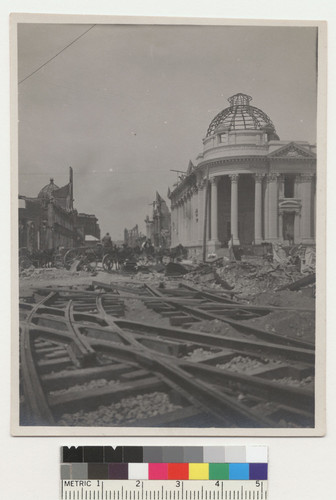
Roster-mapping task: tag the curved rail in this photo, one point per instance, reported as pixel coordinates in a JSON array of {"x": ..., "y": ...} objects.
[{"x": 154, "y": 355}]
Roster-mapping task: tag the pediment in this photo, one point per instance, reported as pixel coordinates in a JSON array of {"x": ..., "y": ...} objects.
[
  {"x": 292, "y": 151},
  {"x": 289, "y": 205}
]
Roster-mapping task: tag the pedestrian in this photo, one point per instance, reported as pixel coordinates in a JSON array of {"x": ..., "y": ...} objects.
[{"x": 107, "y": 242}]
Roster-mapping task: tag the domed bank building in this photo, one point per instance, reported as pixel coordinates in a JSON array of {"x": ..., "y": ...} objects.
[{"x": 259, "y": 189}]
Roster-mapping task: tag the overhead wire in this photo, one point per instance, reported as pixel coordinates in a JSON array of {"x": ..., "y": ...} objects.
[{"x": 58, "y": 53}]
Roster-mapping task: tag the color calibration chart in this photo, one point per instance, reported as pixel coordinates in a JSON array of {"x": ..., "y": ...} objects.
[{"x": 164, "y": 473}]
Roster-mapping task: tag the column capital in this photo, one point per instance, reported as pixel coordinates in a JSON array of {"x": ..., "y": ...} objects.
[
  {"x": 259, "y": 177},
  {"x": 194, "y": 189},
  {"x": 234, "y": 177},
  {"x": 272, "y": 177},
  {"x": 306, "y": 177},
  {"x": 214, "y": 180}
]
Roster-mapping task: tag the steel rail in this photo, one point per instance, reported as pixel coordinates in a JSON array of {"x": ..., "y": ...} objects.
[
  {"x": 171, "y": 368},
  {"x": 198, "y": 313},
  {"x": 38, "y": 409},
  {"x": 222, "y": 405}
]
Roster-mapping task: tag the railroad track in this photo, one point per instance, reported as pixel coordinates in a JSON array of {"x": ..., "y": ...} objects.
[{"x": 84, "y": 363}]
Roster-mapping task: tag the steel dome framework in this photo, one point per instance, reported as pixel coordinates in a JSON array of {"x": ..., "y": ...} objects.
[
  {"x": 241, "y": 116},
  {"x": 47, "y": 191}
]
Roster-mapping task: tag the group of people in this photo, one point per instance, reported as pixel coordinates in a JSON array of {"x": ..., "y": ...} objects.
[{"x": 146, "y": 250}]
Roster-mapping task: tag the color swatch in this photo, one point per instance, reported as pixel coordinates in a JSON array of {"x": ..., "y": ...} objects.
[{"x": 164, "y": 463}]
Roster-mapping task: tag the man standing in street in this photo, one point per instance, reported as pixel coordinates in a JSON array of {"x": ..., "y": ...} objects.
[{"x": 107, "y": 242}]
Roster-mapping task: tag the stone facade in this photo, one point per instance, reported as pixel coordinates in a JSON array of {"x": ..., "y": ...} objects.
[
  {"x": 247, "y": 183},
  {"x": 50, "y": 221}
]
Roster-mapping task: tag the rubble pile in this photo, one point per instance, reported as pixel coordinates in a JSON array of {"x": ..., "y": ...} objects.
[
  {"x": 288, "y": 323},
  {"x": 252, "y": 278},
  {"x": 126, "y": 411},
  {"x": 46, "y": 273},
  {"x": 292, "y": 323},
  {"x": 253, "y": 275}
]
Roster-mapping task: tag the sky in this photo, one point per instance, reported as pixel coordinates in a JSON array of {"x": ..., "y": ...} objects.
[{"x": 124, "y": 105}]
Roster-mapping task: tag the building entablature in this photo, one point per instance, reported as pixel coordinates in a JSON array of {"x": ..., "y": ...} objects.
[
  {"x": 264, "y": 167},
  {"x": 275, "y": 149}
]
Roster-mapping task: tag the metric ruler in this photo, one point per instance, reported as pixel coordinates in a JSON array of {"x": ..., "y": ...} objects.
[
  {"x": 97, "y": 489},
  {"x": 164, "y": 473}
]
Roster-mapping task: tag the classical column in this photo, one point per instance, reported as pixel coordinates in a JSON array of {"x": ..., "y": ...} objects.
[
  {"x": 273, "y": 207},
  {"x": 200, "y": 211},
  {"x": 194, "y": 218},
  {"x": 172, "y": 223},
  {"x": 189, "y": 215},
  {"x": 281, "y": 182},
  {"x": 281, "y": 226},
  {"x": 173, "y": 229},
  {"x": 209, "y": 212},
  {"x": 297, "y": 224},
  {"x": 234, "y": 208},
  {"x": 184, "y": 220},
  {"x": 266, "y": 210},
  {"x": 214, "y": 210},
  {"x": 258, "y": 209},
  {"x": 176, "y": 238},
  {"x": 180, "y": 222},
  {"x": 306, "y": 210}
]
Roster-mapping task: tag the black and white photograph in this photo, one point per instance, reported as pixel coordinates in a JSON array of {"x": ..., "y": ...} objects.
[{"x": 168, "y": 227}]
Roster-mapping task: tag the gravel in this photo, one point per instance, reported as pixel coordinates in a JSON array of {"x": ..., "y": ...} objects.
[
  {"x": 240, "y": 364},
  {"x": 137, "y": 311},
  {"x": 93, "y": 384},
  {"x": 126, "y": 411},
  {"x": 199, "y": 355},
  {"x": 295, "y": 382}
]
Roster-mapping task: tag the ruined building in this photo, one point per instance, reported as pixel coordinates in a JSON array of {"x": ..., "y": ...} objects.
[
  {"x": 259, "y": 188},
  {"x": 50, "y": 221},
  {"x": 158, "y": 228},
  {"x": 133, "y": 237}
]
